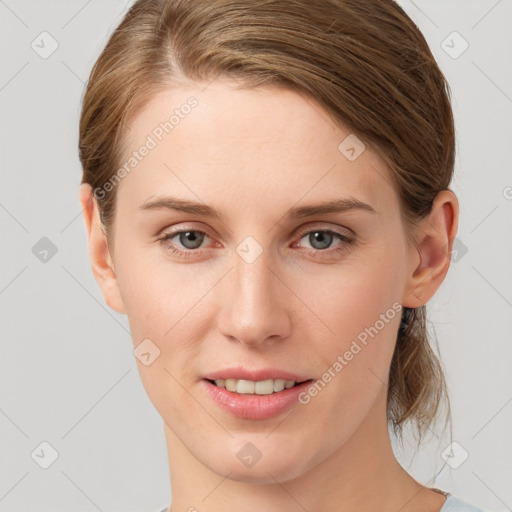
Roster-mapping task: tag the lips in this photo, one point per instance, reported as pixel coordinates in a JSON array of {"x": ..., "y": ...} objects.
[
  {"x": 254, "y": 394},
  {"x": 240, "y": 373},
  {"x": 261, "y": 387}
]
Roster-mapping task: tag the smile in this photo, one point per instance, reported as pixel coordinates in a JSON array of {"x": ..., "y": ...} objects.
[
  {"x": 250, "y": 387},
  {"x": 254, "y": 400}
]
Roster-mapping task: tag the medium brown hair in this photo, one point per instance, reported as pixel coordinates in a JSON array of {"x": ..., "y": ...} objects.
[{"x": 365, "y": 62}]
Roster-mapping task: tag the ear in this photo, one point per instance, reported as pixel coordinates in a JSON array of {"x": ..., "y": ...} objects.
[
  {"x": 430, "y": 258},
  {"x": 99, "y": 254}
]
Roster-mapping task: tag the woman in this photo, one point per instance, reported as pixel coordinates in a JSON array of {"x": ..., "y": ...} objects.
[{"x": 266, "y": 196}]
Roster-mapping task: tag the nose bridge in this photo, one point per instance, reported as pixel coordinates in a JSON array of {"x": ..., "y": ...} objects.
[{"x": 254, "y": 307}]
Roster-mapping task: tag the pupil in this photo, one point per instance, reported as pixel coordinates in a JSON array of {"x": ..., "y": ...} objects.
[
  {"x": 323, "y": 238},
  {"x": 191, "y": 240}
]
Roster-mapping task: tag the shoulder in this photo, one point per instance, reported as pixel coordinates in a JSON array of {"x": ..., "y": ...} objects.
[{"x": 454, "y": 504}]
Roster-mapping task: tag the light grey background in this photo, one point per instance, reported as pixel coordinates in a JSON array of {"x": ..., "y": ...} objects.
[{"x": 68, "y": 373}]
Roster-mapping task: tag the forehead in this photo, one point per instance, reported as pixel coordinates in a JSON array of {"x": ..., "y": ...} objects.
[{"x": 219, "y": 143}]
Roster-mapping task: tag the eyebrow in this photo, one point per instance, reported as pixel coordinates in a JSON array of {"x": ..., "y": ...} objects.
[{"x": 201, "y": 209}]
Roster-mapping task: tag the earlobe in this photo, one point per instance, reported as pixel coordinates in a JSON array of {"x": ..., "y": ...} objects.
[
  {"x": 99, "y": 255},
  {"x": 434, "y": 242}
]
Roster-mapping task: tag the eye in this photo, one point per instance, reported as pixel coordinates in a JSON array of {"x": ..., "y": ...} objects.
[
  {"x": 189, "y": 239},
  {"x": 320, "y": 240},
  {"x": 187, "y": 243}
]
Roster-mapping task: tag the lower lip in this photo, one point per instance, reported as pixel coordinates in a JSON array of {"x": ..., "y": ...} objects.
[{"x": 255, "y": 407}]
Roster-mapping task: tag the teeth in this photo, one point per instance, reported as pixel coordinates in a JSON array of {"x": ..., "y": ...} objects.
[
  {"x": 245, "y": 387},
  {"x": 279, "y": 384},
  {"x": 264, "y": 387},
  {"x": 230, "y": 384},
  {"x": 249, "y": 387}
]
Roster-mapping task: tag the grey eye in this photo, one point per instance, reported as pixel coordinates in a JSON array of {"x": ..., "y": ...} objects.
[
  {"x": 320, "y": 239},
  {"x": 191, "y": 239}
]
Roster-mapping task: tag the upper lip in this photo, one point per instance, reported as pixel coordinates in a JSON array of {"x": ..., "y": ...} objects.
[{"x": 240, "y": 373}]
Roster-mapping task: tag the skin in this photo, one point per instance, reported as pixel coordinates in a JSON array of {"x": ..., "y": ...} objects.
[{"x": 252, "y": 154}]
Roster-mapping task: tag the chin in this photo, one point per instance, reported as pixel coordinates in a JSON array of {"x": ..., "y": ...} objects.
[
  {"x": 267, "y": 470},
  {"x": 267, "y": 474}
]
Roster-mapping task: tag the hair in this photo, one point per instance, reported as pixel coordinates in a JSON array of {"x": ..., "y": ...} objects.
[{"x": 365, "y": 62}]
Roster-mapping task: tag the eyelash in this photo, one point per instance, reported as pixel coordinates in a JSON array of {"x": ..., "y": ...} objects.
[{"x": 347, "y": 240}]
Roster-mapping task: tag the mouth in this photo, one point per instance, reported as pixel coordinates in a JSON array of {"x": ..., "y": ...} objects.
[
  {"x": 261, "y": 387},
  {"x": 254, "y": 400},
  {"x": 255, "y": 393}
]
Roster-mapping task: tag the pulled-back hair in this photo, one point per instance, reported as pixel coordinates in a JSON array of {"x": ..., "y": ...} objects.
[{"x": 365, "y": 62}]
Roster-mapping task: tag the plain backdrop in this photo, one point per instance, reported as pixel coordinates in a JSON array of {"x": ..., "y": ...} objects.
[{"x": 68, "y": 374}]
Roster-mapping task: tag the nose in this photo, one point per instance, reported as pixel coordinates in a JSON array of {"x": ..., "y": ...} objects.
[{"x": 256, "y": 303}]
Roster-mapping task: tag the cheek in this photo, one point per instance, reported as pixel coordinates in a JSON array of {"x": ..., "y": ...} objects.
[
  {"x": 360, "y": 310},
  {"x": 168, "y": 304},
  {"x": 351, "y": 296},
  {"x": 161, "y": 307},
  {"x": 152, "y": 292}
]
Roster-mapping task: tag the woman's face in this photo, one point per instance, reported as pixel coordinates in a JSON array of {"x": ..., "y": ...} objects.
[{"x": 262, "y": 286}]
